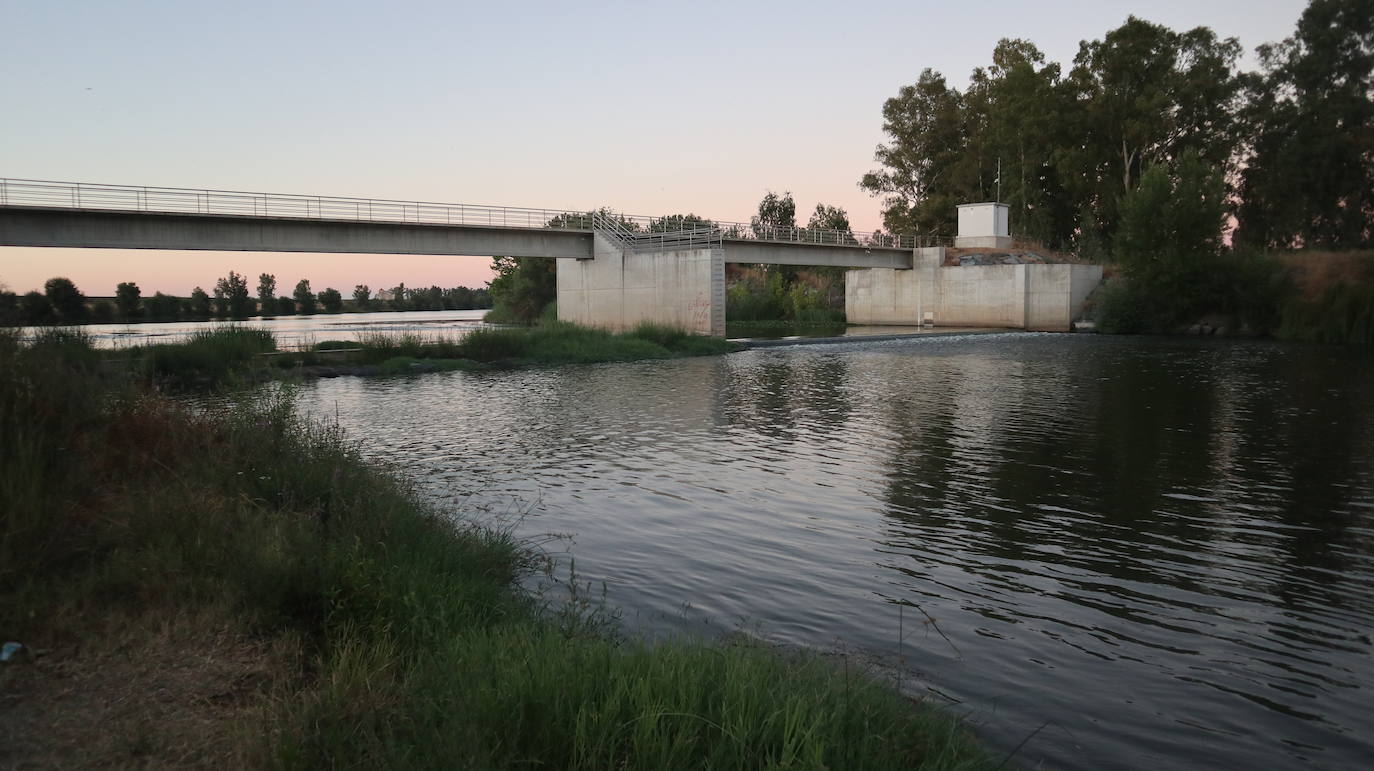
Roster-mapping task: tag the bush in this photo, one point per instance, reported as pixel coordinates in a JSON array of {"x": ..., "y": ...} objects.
[
  {"x": 208, "y": 356},
  {"x": 1122, "y": 308}
]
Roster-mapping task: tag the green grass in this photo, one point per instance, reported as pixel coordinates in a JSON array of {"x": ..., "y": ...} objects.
[
  {"x": 207, "y": 356},
  {"x": 416, "y": 649},
  {"x": 550, "y": 343}
]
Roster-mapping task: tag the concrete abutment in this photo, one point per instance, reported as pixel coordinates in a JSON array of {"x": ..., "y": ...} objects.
[
  {"x": 619, "y": 288},
  {"x": 1035, "y": 297}
]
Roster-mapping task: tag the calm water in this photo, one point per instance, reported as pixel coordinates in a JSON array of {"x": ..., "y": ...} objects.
[
  {"x": 1161, "y": 551},
  {"x": 293, "y": 331}
]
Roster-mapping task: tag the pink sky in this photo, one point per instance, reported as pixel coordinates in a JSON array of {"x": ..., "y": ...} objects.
[{"x": 97, "y": 271}]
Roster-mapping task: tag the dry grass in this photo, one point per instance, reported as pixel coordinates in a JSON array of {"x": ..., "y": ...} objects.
[
  {"x": 1316, "y": 272},
  {"x": 165, "y": 688}
]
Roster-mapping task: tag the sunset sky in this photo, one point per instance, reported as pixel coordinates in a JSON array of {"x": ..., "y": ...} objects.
[{"x": 645, "y": 107}]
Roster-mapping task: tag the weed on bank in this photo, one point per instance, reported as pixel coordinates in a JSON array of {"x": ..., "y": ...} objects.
[{"x": 233, "y": 585}]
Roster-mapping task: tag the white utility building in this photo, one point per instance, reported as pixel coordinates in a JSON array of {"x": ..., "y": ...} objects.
[{"x": 983, "y": 225}]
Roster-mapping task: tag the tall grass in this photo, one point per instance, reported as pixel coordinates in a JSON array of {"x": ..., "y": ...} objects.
[
  {"x": 552, "y": 342},
  {"x": 418, "y": 652},
  {"x": 207, "y": 356}
]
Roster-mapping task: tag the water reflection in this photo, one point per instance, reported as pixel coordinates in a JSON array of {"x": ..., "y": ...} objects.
[{"x": 1163, "y": 548}]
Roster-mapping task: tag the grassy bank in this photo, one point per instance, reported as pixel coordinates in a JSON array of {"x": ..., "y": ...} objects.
[
  {"x": 236, "y": 586},
  {"x": 216, "y": 355}
]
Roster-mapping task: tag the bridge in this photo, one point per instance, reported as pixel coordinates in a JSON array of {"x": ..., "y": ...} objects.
[{"x": 614, "y": 270}]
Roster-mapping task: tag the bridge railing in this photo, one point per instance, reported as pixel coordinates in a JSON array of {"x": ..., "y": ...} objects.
[{"x": 96, "y": 196}]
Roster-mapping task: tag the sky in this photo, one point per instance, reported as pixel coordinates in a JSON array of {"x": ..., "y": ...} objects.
[{"x": 645, "y": 107}]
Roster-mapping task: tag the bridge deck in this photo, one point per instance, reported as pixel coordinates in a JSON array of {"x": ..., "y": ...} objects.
[{"x": 42, "y": 226}]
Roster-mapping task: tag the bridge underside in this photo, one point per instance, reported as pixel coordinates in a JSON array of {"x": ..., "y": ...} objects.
[
  {"x": 101, "y": 229},
  {"x": 601, "y": 282}
]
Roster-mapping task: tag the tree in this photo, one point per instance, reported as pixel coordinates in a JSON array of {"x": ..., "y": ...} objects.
[
  {"x": 1061, "y": 151},
  {"x": 286, "y": 306},
  {"x": 1170, "y": 233},
  {"x": 162, "y": 307},
  {"x": 267, "y": 294},
  {"x": 305, "y": 299},
  {"x": 828, "y": 218},
  {"x": 199, "y": 305},
  {"x": 522, "y": 289},
  {"x": 231, "y": 297},
  {"x": 67, "y": 302},
  {"x": 777, "y": 216},
  {"x": 1017, "y": 113},
  {"x": 924, "y": 124},
  {"x": 1308, "y": 177},
  {"x": 9, "y": 307},
  {"x": 102, "y": 312},
  {"x": 331, "y": 300},
  {"x": 678, "y": 222},
  {"x": 129, "y": 301},
  {"x": 1144, "y": 95},
  {"x": 362, "y": 297},
  {"x": 35, "y": 309}
]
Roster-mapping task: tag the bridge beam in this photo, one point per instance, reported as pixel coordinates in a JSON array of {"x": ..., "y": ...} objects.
[
  {"x": 36, "y": 226},
  {"x": 824, "y": 255}
]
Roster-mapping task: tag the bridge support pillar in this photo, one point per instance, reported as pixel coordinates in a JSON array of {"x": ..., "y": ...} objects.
[
  {"x": 619, "y": 288},
  {"x": 895, "y": 297}
]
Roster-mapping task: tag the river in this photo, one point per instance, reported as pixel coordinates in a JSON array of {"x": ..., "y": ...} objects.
[
  {"x": 293, "y": 331},
  {"x": 1140, "y": 553}
]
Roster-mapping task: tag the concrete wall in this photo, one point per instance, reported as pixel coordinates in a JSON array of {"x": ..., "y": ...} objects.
[
  {"x": 883, "y": 296},
  {"x": 1055, "y": 294},
  {"x": 1034, "y": 297},
  {"x": 618, "y": 289}
]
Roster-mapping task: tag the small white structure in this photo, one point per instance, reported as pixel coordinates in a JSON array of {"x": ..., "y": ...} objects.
[{"x": 983, "y": 225}]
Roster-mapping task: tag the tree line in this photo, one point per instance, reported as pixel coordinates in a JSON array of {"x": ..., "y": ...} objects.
[
  {"x": 1293, "y": 143},
  {"x": 61, "y": 302}
]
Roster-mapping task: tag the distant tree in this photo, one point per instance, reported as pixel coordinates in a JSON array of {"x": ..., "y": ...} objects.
[
  {"x": 675, "y": 222},
  {"x": 231, "y": 298},
  {"x": 286, "y": 306},
  {"x": 777, "y": 214},
  {"x": 9, "y": 307},
  {"x": 398, "y": 297},
  {"x": 331, "y": 300},
  {"x": 67, "y": 301},
  {"x": 162, "y": 307},
  {"x": 362, "y": 297},
  {"x": 199, "y": 305},
  {"x": 305, "y": 299},
  {"x": 35, "y": 308},
  {"x": 267, "y": 294},
  {"x": 102, "y": 311},
  {"x": 1308, "y": 178},
  {"x": 128, "y": 299},
  {"x": 831, "y": 218}
]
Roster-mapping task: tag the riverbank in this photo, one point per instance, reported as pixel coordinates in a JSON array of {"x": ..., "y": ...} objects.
[
  {"x": 214, "y": 356},
  {"x": 237, "y": 586}
]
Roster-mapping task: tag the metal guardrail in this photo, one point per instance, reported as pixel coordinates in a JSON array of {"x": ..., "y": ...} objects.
[{"x": 633, "y": 231}]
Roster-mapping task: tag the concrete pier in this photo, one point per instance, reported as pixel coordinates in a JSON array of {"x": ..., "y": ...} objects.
[
  {"x": 620, "y": 288},
  {"x": 1033, "y": 297}
]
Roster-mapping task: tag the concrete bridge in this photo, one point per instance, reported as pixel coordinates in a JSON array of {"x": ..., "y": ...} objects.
[{"x": 614, "y": 270}]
